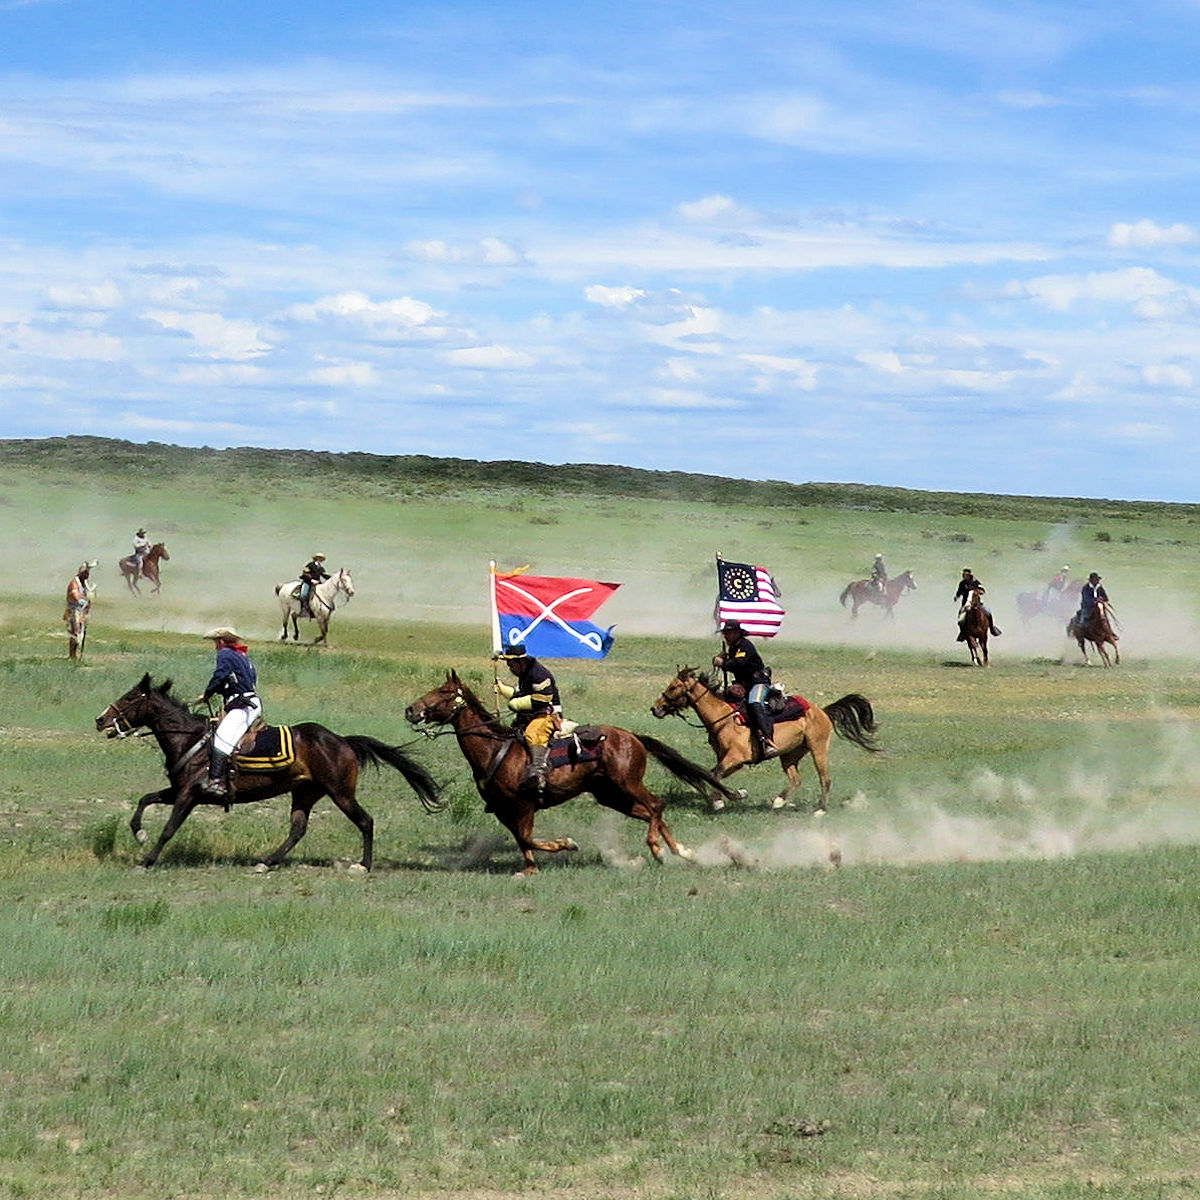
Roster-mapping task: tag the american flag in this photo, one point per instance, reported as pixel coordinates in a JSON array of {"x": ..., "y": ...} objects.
[{"x": 748, "y": 595}]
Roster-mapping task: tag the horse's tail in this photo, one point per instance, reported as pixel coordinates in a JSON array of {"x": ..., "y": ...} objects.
[
  {"x": 854, "y": 719},
  {"x": 684, "y": 769},
  {"x": 372, "y": 750},
  {"x": 845, "y": 592}
]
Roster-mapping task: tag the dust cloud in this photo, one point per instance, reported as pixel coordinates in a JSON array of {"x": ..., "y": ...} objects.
[{"x": 1107, "y": 807}]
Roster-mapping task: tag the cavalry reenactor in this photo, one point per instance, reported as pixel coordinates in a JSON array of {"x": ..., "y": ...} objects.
[
  {"x": 741, "y": 659},
  {"x": 235, "y": 680},
  {"x": 536, "y": 702},
  {"x": 314, "y": 572}
]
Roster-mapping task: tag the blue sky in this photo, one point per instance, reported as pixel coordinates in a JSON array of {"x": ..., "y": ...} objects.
[{"x": 943, "y": 246}]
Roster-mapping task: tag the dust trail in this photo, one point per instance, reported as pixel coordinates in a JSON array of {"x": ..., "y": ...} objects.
[{"x": 1082, "y": 810}]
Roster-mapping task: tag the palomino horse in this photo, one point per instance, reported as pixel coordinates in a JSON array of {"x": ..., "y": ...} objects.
[
  {"x": 736, "y": 747},
  {"x": 321, "y": 603},
  {"x": 863, "y": 591},
  {"x": 150, "y": 563},
  {"x": 974, "y": 628},
  {"x": 323, "y": 764},
  {"x": 498, "y": 759},
  {"x": 1098, "y": 630}
]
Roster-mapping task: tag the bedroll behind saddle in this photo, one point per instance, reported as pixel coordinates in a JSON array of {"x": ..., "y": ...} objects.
[
  {"x": 582, "y": 745},
  {"x": 265, "y": 748}
]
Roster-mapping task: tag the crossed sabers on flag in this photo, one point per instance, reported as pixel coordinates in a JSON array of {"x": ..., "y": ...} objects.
[{"x": 591, "y": 639}]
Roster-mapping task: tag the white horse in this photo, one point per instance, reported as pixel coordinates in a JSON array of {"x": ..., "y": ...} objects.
[{"x": 321, "y": 603}]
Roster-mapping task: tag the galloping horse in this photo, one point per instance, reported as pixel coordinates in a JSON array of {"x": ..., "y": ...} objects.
[
  {"x": 129, "y": 569},
  {"x": 863, "y": 591},
  {"x": 1097, "y": 630},
  {"x": 323, "y": 764},
  {"x": 321, "y": 603},
  {"x": 975, "y": 627},
  {"x": 1054, "y": 604},
  {"x": 498, "y": 758},
  {"x": 736, "y": 747}
]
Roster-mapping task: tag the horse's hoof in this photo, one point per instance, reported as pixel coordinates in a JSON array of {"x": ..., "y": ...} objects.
[
  {"x": 779, "y": 802},
  {"x": 357, "y": 869},
  {"x": 141, "y": 837},
  {"x": 686, "y": 854},
  {"x": 818, "y": 812},
  {"x": 261, "y": 869},
  {"x": 718, "y": 804},
  {"x": 570, "y": 844},
  {"x": 742, "y": 793}
]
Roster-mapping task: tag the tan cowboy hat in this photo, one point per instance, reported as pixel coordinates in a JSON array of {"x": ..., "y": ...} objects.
[
  {"x": 223, "y": 634},
  {"x": 320, "y": 556}
]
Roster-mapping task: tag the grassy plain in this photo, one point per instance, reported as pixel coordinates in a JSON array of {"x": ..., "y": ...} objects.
[{"x": 996, "y": 993}]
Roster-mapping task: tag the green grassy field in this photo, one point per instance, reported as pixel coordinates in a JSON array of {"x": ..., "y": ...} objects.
[{"x": 995, "y": 993}]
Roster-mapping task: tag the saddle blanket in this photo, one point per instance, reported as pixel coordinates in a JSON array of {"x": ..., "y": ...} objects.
[
  {"x": 266, "y": 749},
  {"x": 781, "y": 708},
  {"x": 583, "y": 744}
]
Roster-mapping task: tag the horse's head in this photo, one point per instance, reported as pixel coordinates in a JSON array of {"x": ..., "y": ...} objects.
[
  {"x": 677, "y": 695},
  {"x": 439, "y": 706},
  {"x": 345, "y": 583},
  {"x": 133, "y": 710},
  {"x": 907, "y": 580},
  {"x": 160, "y": 550}
]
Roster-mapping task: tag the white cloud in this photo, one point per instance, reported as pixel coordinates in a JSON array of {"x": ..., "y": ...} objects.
[
  {"x": 612, "y": 297},
  {"x": 490, "y": 358},
  {"x": 1167, "y": 375},
  {"x": 355, "y": 306},
  {"x": 348, "y": 374},
  {"x": 712, "y": 210},
  {"x": 1151, "y": 296},
  {"x": 217, "y": 335},
  {"x": 89, "y": 297},
  {"x": 1145, "y": 234},
  {"x": 488, "y": 251}
]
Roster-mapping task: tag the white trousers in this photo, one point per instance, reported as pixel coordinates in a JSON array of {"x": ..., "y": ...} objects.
[{"x": 233, "y": 726}]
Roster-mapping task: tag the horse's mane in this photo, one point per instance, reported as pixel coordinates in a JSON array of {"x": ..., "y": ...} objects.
[
  {"x": 164, "y": 690},
  {"x": 474, "y": 701}
]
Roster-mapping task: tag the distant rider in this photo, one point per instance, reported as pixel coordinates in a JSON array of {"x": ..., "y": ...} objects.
[
  {"x": 536, "y": 702},
  {"x": 879, "y": 575},
  {"x": 79, "y": 603},
  {"x": 741, "y": 659},
  {"x": 235, "y": 680},
  {"x": 141, "y": 547},
  {"x": 966, "y": 585},
  {"x": 1057, "y": 585},
  {"x": 314, "y": 572}
]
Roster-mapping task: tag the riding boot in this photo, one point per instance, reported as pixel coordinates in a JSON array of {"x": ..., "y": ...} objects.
[
  {"x": 216, "y": 784},
  {"x": 539, "y": 765},
  {"x": 995, "y": 631},
  {"x": 765, "y": 728}
]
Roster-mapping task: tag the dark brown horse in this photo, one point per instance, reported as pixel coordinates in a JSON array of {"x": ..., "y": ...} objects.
[
  {"x": 324, "y": 764},
  {"x": 864, "y": 591},
  {"x": 498, "y": 758},
  {"x": 735, "y": 746},
  {"x": 150, "y": 563},
  {"x": 1097, "y": 629},
  {"x": 974, "y": 628}
]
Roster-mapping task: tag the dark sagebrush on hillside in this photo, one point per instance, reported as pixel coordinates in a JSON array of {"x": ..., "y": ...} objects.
[{"x": 417, "y": 474}]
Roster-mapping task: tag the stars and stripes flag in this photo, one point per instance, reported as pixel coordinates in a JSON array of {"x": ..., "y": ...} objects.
[
  {"x": 748, "y": 595},
  {"x": 548, "y": 615}
]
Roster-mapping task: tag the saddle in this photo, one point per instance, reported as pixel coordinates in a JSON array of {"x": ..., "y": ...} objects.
[
  {"x": 265, "y": 748},
  {"x": 583, "y": 744},
  {"x": 781, "y": 708}
]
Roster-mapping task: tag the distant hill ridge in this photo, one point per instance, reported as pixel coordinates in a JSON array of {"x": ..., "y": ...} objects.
[{"x": 419, "y": 474}]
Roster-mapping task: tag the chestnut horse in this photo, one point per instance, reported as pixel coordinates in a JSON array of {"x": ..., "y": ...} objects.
[
  {"x": 325, "y": 764},
  {"x": 498, "y": 758},
  {"x": 1098, "y": 630},
  {"x": 974, "y": 628},
  {"x": 864, "y": 591},
  {"x": 736, "y": 747},
  {"x": 150, "y": 563}
]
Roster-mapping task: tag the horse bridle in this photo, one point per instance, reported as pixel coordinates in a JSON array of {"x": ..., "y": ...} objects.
[
  {"x": 681, "y": 713},
  {"x": 121, "y": 726}
]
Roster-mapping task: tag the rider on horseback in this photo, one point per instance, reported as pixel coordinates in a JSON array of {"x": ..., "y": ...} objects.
[
  {"x": 741, "y": 660},
  {"x": 1057, "y": 585},
  {"x": 1093, "y": 602},
  {"x": 879, "y": 575},
  {"x": 967, "y": 586},
  {"x": 314, "y": 572},
  {"x": 141, "y": 547},
  {"x": 536, "y": 702},
  {"x": 235, "y": 681}
]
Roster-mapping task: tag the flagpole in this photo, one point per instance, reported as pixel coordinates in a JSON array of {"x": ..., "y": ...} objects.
[{"x": 496, "y": 647}]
